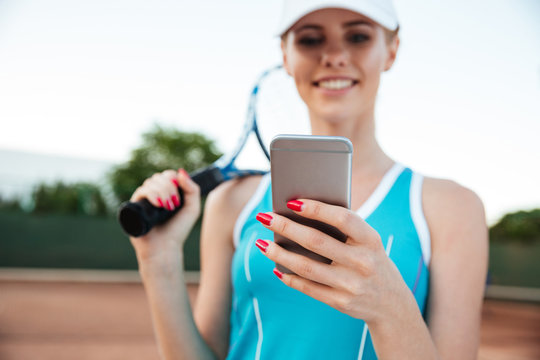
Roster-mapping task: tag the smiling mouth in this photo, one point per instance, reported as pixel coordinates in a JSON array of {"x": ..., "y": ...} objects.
[{"x": 336, "y": 84}]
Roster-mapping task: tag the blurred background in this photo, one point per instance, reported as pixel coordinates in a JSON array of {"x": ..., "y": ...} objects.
[{"x": 95, "y": 96}]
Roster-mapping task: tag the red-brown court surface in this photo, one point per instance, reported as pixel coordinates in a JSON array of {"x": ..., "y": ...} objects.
[{"x": 70, "y": 320}]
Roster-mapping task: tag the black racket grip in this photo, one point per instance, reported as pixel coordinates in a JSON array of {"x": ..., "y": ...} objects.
[
  {"x": 138, "y": 218},
  {"x": 208, "y": 178}
]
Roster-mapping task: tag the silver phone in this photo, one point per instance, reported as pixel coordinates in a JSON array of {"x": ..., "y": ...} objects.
[{"x": 309, "y": 167}]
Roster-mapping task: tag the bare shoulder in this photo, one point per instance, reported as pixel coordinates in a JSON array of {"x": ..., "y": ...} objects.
[
  {"x": 224, "y": 203},
  {"x": 233, "y": 195},
  {"x": 444, "y": 194},
  {"x": 451, "y": 208}
]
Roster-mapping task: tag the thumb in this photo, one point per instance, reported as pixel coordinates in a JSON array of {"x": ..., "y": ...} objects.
[{"x": 191, "y": 189}]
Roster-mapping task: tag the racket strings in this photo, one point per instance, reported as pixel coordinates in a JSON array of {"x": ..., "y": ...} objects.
[
  {"x": 274, "y": 108},
  {"x": 279, "y": 109}
]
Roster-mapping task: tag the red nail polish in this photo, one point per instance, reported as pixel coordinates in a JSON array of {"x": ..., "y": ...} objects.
[
  {"x": 160, "y": 202},
  {"x": 278, "y": 273},
  {"x": 175, "y": 200},
  {"x": 264, "y": 218},
  {"x": 175, "y": 182},
  {"x": 169, "y": 205},
  {"x": 184, "y": 172},
  {"x": 295, "y": 205},
  {"x": 261, "y": 244}
]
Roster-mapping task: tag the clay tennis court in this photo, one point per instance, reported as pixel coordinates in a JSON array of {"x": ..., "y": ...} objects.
[{"x": 88, "y": 320}]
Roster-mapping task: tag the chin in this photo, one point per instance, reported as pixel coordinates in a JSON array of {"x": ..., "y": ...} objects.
[
  {"x": 335, "y": 116},
  {"x": 338, "y": 111}
]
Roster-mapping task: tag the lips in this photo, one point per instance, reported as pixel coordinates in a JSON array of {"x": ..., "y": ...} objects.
[{"x": 335, "y": 83}]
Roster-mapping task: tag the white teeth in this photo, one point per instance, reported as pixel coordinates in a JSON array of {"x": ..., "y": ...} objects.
[{"x": 336, "y": 84}]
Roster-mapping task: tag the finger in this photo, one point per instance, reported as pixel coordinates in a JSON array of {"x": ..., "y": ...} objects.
[
  {"x": 169, "y": 182},
  {"x": 299, "y": 264},
  {"x": 342, "y": 218},
  {"x": 306, "y": 236},
  {"x": 192, "y": 191},
  {"x": 160, "y": 184},
  {"x": 323, "y": 293},
  {"x": 149, "y": 192}
]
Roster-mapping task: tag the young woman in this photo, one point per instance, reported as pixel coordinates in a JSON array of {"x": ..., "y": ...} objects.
[{"x": 408, "y": 282}]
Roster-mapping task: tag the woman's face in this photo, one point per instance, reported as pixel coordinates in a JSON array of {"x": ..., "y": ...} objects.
[{"x": 336, "y": 57}]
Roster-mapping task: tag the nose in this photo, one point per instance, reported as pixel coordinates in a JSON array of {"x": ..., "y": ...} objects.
[{"x": 335, "y": 55}]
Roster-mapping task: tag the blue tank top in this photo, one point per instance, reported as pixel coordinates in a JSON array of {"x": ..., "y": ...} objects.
[{"x": 272, "y": 321}]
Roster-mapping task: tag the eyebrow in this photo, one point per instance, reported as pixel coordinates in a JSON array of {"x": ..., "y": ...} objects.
[
  {"x": 309, "y": 26},
  {"x": 348, "y": 24},
  {"x": 358, "y": 22}
]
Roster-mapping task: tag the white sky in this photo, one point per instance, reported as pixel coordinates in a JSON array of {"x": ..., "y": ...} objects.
[{"x": 86, "y": 78}]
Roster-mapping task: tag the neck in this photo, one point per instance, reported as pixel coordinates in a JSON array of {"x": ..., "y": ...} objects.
[{"x": 369, "y": 160}]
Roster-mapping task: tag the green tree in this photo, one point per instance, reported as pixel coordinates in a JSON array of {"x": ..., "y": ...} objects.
[
  {"x": 521, "y": 226},
  {"x": 10, "y": 204},
  {"x": 78, "y": 198},
  {"x": 162, "y": 148}
]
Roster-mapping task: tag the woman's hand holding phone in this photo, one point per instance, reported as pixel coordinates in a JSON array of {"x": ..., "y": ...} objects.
[
  {"x": 161, "y": 190},
  {"x": 361, "y": 280}
]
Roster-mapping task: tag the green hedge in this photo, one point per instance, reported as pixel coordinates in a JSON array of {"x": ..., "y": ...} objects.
[
  {"x": 72, "y": 241},
  {"x": 69, "y": 241},
  {"x": 514, "y": 264}
]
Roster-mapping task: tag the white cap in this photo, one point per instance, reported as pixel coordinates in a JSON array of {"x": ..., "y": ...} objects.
[{"x": 380, "y": 11}]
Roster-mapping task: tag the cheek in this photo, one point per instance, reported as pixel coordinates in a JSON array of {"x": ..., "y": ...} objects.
[
  {"x": 303, "y": 88},
  {"x": 376, "y": 59},
  {"x": 301, "y": 68},
  {"x": 371, "y": 66},
  {"x": 301, "y": 61}
]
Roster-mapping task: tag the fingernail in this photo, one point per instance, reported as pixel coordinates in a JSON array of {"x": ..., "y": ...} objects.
[
  {"x": 278, "y": 273},
  {"x": 169, "y": 205},
  {"x": 175, "y": 200},
  {"x": 160, "y": 202},
  {"x": 261, "y": 244},
  {"x": 175, "y": 182},
  {"x": 264, "y": 218},
  {"x": 295, "y": 205},
  {"x": 184, "y": 173}
]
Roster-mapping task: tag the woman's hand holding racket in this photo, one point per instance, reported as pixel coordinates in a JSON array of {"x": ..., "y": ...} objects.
[
  {"x": 361, "y": 281},
  {"x": 162, "y": 190}
]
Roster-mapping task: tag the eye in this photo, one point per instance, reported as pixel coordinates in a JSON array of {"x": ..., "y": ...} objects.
[
  {"x": 311, "y": 41},
  {"x": 358, "y": 38}
]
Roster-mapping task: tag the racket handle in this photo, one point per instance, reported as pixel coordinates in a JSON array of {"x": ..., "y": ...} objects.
[
  {"x": 207, "y": 178},
  {"x": 138, "y": 218}
]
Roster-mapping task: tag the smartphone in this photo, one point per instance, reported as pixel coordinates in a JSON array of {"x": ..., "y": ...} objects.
[{"x": 309, "y": 167}]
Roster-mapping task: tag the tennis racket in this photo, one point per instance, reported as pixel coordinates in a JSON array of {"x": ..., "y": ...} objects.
[{"x": 274, "y": 108}]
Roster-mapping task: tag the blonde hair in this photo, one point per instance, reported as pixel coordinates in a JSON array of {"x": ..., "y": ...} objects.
[{"x": 391, "y": 34}]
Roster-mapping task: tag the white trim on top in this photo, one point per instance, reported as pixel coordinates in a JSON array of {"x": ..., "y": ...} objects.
[
  {"x": 418, "y": 217},
  {"x": 381, "y": 191},
  {"x": 259, "y": 328},
  {"x": 255, "y": 199},
  {"x": 248, "y": 247},
  {"x": 363, "y": 342},
  {"x": 389, "y": 244}
]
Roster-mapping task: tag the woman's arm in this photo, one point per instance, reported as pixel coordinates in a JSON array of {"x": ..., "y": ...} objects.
[
  {"x": 160, "y": 258},
  {"x": 176, "y": 333},
  {"x": 179, "y": 333},
  {"x": 458, "y": 270},
  {"x": 213, "y": 306}
]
